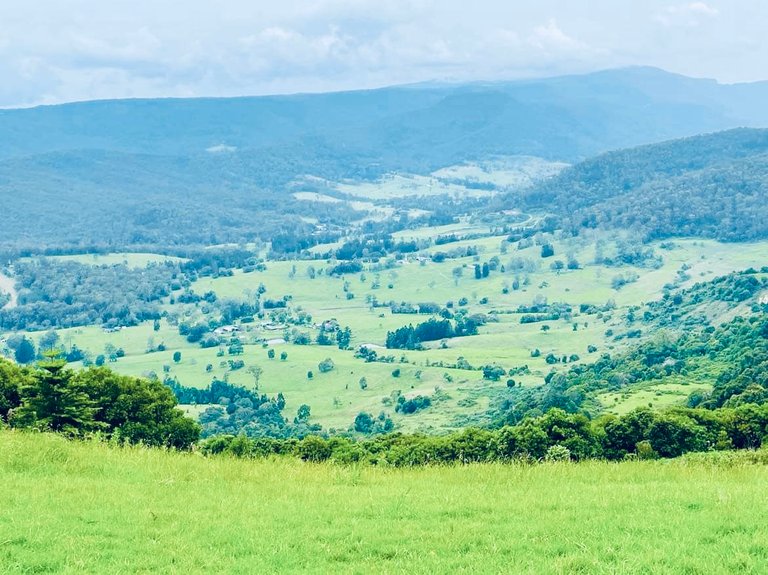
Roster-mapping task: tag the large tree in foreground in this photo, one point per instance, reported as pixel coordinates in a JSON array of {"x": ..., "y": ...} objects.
[
  {"x": 55, "y": 400},
  {"x": 139, "y": 410}
]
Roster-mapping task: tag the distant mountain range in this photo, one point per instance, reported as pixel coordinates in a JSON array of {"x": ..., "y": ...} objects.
[
  {"x": 564, "y": 118},
  {"x": 140, "y": 170}
]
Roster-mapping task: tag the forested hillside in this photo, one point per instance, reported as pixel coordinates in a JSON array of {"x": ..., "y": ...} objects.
[
  {"x": 731, "y": 358},
  {"x": 207, "y": 171},
  {"x": 712, "y": 186}
]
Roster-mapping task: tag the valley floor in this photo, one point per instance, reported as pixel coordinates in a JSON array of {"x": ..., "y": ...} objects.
[{"x": 89, "y": 508}]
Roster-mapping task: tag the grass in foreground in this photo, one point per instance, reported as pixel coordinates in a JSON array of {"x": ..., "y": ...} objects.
[{"x": 88, "y": 508}]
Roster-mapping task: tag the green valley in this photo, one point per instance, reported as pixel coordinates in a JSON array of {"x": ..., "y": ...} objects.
[{"x": 383, "y": 287}]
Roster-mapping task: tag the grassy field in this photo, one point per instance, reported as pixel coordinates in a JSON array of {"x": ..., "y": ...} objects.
[
  {"x": 514, "y": 171},
  {"x": 336, "y": 398},
  {"x": 657, "y": 396},
  {"x": 88, "y": 508},
  {"x": 399, "y": 186}
]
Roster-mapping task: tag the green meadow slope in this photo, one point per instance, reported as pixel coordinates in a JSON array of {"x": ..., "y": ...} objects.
[{"x": 71, "y": 507}]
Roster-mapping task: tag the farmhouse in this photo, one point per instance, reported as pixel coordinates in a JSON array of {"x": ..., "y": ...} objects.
[
  {"x": 329, "y": 325},
  {"x": 227, "y": 330}
]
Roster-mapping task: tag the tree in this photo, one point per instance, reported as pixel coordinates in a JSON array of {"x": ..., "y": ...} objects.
[
  {"x": 493, "y": 372},
  {"x": 344, "y": 337},
  {"x": 326, "y": 365},
  {"x": 48, "y": 340},
  {"x": 283, "y": 355},
  {"x": 322, "y": 337},
  {"x": 315, "y": 449},
  {"x": 12, "y": 379},
  {"x": 176, "y": 356},
  {"x": 271, "y": 353},
  {"x": 302, "y": 339},
  {"x": 364, "y": 422},
  {"x": 137, "y": 409},
  {"x": 302, "y": 414},
  {"x": 256, "y": 372},
  {"x": 457, "y": 273},
  {"x": 363, "y": 383},
  {"x": 529, "y": 439},
  {"x": 672, "y": 435},
  {"x": 557, "y": 266},
  {"x": 55, "y": 400},
  {"x": 486, "y": 270},
  {"x": 547, "y": 251},
  {"x": 25, "y": 352},
  {"x": 558, "y": 452},
  {"x": 110, "y": 351}
]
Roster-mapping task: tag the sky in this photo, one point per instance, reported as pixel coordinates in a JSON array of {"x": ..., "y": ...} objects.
[{"x": 54, "y": 51}]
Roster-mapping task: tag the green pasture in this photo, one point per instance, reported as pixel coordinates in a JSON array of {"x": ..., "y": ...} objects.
[
  {"x": 400, "y": 186},
  {"x": 336, "y": 398},
  {"x": 510, "y": 172},
  {"x": 88, "y": 508}
]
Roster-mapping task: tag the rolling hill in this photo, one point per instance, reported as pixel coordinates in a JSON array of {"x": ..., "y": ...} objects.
[
  {"x": 216, "y": 170},
  {"x": 713, "y": 186}
]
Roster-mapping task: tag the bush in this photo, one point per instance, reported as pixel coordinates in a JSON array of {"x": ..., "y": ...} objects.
[
  {"x": 326, "y": 365},
  {"x": 315, "y": 449},
  {"x": 493, "y": 372},
  {"x": 645, "y": 451},
  {"x": 558, "y": 453},
  {"x": 409, "y": 406}
]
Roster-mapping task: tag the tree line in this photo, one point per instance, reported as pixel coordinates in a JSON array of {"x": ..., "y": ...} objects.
[
  {"x": 50, "y": 397},
  {"x": 54, "y": 293},
  {"x": 556, "y": 435}
]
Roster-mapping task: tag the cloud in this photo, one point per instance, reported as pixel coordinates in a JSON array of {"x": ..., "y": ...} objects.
[
  {"x": 703, "y": 8},
  {"x": 51, "y": 52},
  {"x": 686, "y": 15},
  {"x": 550, "y": 36}
]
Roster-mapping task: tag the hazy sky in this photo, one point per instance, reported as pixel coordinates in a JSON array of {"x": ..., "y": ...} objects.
[{"x": 63, "y": 50}]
